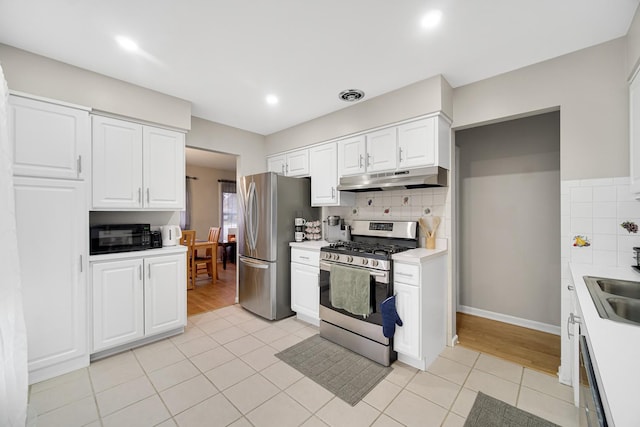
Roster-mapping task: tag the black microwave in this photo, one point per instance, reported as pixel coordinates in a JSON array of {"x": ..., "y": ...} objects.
[{"x": 110, "y": 238}]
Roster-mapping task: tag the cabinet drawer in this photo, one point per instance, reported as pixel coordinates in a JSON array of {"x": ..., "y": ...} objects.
[
  {"x": 305, "y": 257},
  {"x": 406, "y": 273}
]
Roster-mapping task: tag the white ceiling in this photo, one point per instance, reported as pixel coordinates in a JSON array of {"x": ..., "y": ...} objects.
[{"x": 226, "y": 56}]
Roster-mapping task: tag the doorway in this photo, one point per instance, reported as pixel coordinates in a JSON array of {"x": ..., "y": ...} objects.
[
  {"x": 210, "y": 181},
  {"x": 508, "y": 208}
]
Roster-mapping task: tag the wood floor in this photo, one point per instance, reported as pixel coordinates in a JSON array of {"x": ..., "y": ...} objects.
[
  {"x": 527, "y": 347},
  {"x": 209, "y": 296}
]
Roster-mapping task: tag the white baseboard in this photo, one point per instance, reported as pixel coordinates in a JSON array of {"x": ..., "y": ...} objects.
[{"x": 525, "y": 323}]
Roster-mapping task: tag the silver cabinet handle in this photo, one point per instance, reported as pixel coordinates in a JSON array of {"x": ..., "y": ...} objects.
[
  {"x": 368, "y": 159},
  {"x": 139, "y": 195},
  {"x": 79, "y": 165},
  {"x": 80, "y": 263},
  {"x": 148, "y": 196},
  {"x": 283, "y": 169},
  {"x": 399, "y": 273},
  {"x": 287, "y": 168},
  {"x": 361, "y": 159},
  {"x": 304, "y": 257},
  {"x": 569, "y": 334},
  {"x": 149, "y": 272},
  {"x": 400, "y": 154},
  {"x": 333, "y": 192},
  {"x": 140, "y": 272},
  {"x": 570, "y": 287}
]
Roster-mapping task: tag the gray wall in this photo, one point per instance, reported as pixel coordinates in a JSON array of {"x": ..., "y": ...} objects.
[
  {"x": 509, "y": 208},
  {"x": 426, "y": 96},
  {"x": 205, "y": 201},
  {"x": 633, "y": 43},
  {"x": 248, "y": 146},
  {"x": 37, "y": 75},
  {"x": 589, "y": 86}
]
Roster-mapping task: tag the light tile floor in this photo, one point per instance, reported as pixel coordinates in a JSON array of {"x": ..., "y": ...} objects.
[{"x": 222, "y": 371}]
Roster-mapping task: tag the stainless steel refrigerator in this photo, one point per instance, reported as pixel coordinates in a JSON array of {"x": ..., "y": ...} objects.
[{"x": 269, "y": 203}]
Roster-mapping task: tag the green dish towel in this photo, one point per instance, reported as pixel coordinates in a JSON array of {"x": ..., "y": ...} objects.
[{"x": 350, "y": 290}]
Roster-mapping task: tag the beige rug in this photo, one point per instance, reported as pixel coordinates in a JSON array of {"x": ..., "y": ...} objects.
[{"x": 343, "y": 372}]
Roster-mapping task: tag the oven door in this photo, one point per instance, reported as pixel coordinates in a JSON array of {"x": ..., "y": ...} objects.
[
  {"x": 590, "y": 402},
  {"x": 371, "y": 326}
]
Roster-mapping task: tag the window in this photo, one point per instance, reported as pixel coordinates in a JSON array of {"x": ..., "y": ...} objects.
[{"x": 229, "y": 208}]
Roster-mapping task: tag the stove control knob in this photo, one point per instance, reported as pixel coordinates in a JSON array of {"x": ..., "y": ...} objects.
[
  {"x": 336, "y": 257},
  {"x": 327, "y": 255},
  {"x": 364, "y": 261},
  {"x": 349, "y": 258},
  {"x": 374, "y": 263}
]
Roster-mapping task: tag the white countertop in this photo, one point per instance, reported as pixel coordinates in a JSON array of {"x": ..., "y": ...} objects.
[
  {"x": 418, "y": 255},
  {"x": 309, "y": 244},
  {"x": 167, "y": 250},
  {"x": 615, "y": 348}
]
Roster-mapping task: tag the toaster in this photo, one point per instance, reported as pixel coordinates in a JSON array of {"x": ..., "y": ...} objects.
[{"x": 156, "y": 239}]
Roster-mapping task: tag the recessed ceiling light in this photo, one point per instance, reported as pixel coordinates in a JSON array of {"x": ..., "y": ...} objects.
[
  {"x": 351, "y": 95},
  {"x": 127, "y": 44},
  {"x": 272, "y": 99},
  {"x": 431, "y": 19}
]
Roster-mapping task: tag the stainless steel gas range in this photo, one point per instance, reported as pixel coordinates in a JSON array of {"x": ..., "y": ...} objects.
[{"x": 349, "y": 264}]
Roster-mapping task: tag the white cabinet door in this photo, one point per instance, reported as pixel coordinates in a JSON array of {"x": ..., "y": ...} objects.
[
  {"x": 634, "y": 134},
  {"x": 117, "y": 163},
  {"x": 381, "y": 150},
  {"x": 298, "y": 163},
  {"x": 163, "y": 169},
  {"x": 351, "y": 156},
  {"x": 305, "y": 295},
  {"x": 52, "y": 226},
  {"x": 277, "y": 164},
  {"x": 49, "y": 140},
  {"x": 407, "y": 337},
  {"x": 164, "y": 294},
  {"x": 118, "y": 305},
  {"x": 417, "y": 143},
  {"x": 324, "y": 175}
]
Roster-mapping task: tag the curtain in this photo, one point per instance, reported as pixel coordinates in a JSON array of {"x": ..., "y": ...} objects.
[
  {"x": 185, "y": 215},
  {"x": 228, "y": 207},
  {"x": 13, "y": 334}
]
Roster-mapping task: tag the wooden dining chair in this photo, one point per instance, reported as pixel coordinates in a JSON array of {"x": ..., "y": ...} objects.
[
  {"x": 210, "y": 259},
  {"x": 188, "y": 239}
]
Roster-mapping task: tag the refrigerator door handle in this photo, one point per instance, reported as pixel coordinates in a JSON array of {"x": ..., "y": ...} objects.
[
  {"x": 252, "y": 209},
  {"x": 254, "y": 264}
]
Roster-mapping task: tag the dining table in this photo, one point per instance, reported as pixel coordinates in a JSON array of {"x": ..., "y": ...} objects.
[{"x": 232, "y": 256}]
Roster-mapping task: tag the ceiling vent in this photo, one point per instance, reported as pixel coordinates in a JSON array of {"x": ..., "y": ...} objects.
[{"x": 351, "y": 95}]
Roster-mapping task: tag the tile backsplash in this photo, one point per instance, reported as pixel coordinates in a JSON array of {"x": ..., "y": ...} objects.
[
  {"x": 595, "y": 209},
  {"x": 400, "y": 205}
]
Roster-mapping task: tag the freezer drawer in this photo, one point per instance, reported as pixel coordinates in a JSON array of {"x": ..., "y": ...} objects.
[{"x": 257, "y": 291}]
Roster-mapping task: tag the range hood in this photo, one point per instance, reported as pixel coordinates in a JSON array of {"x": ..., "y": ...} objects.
[{"x": 411, "y": 178}]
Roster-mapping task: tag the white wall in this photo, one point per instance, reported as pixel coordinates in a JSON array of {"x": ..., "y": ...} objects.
[
  {"x": 589, "y": 86},
  {"x": 633, "y": 44},
  {"x": 37, "y": 75},
  {"x": 248, "y": 146},
  {"x": 509, "y": 214},
  {"x": 426, "y": 96}
]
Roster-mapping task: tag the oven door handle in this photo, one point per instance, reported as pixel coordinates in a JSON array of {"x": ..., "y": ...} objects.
[{"x": 327, "y": 267}]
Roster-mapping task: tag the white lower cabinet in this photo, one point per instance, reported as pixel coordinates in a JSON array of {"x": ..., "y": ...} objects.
[
  {"x": 420, "y": 287},
  {"x": 136, "y": 298},
  {"x": 52, "y": 226},
  {"x": 305, "y": 276}
]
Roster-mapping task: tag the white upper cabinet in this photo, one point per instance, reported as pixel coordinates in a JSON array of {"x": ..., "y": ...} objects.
[
  {"x": 49, "y": 140},
  {"x": 163, "y": 168},
  {"x": 634, "y": 134},
  {"x": 351, "y": 156},
  {"x": 324, "y": 177},
  {"x": 294, "y": 163},
  {"x": 137, "y": 166},
  {"x": 381, "y": 150},
  {"x": 420, "y": 143}
]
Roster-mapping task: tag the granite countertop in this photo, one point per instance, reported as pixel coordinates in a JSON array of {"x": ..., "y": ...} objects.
[{"x": 615, "y": 348}]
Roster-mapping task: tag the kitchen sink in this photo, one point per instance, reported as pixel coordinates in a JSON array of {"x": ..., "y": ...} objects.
[
  {"x": 626, "y": 308},
  {"x": 623, "y": 288},
  {"x": 617, "y": 300}
]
